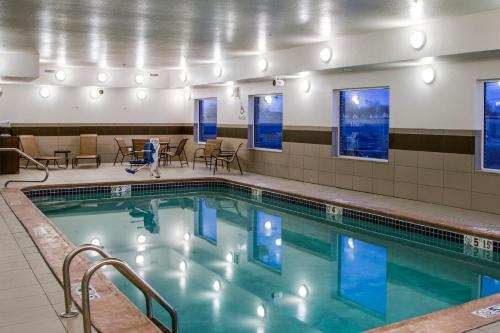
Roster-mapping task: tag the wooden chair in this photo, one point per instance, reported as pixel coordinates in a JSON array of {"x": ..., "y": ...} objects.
[
  {"x": 123, "y": 149},
  {"x": 228, "y": 158},
  {"x": 30, "y": 147},
  {"x": 211, "y": 149},
  {"x": 88, "y": 150},
  {"x": 179, "y": 152},
  {"x": 137, "y": 146}
]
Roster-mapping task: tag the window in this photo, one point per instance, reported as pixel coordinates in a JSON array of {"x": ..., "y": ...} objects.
[
  {"x": 364, "y": 123},
  {"x": 491, "y": 138},
  {"x": 207, "y": 115},
  {"x": 268, "y": 121}
]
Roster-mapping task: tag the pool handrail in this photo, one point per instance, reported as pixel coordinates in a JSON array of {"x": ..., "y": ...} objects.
[
  {"x": 68, "y": 310},
  {"x": 148, "y": 291},
  {"x": 23, "y": 154}
]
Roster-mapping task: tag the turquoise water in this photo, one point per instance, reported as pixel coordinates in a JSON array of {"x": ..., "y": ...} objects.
[{"x": 265, "y": 257}]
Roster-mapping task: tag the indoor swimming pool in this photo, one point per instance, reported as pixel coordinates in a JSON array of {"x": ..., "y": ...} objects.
[{"x": 230, "y": 261}]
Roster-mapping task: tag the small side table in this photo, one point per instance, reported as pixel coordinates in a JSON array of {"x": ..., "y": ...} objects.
[{"x": 66, "y": 155}]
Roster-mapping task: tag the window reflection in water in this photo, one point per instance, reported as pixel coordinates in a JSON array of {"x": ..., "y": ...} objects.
[
  {"x": 206, "y": 221},
  {"x": 363, "y": 274},
  {"x": 267, "y": 244}
]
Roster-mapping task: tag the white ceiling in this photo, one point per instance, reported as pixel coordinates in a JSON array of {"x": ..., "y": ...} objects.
[{"x": 158, "y": 33}]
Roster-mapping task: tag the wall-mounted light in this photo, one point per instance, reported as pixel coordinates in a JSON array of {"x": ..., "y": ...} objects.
[
  {"x": 60, "y": 75},
  {"x": 96, "y": 242},
  {"x": 141, "y": 94},
  {"x": 183, "y": 76},
  {"x": 44, "y": 92},
  {"x": 95, "y": 93},
  {"x": 141, "y": 239},
  {"x": 183, "y": 265},
  {"x": 187, "y": 93},
  {"x": 263, "y": 64},
  {"x": 139, "y": 260},
  {"x": 417, "y": 40},
  {"x": 216, "y": 285},
  {"x": 303, "y": 291},
  {"x": 305, "y": 86},
  {"x": 326, "y": 54},
  {"x": 102, "y": 77},
  {"x": 139, "y": 79},
  {"x": 428, "y": 75},
  {"x": 187, "y": 236},
  {"x": 261, "y": 311},
  {"x": 218, "y": 70},
  {"x": 416, "y": 9}
]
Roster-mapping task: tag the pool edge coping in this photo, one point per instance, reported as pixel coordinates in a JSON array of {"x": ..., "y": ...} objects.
[{"x": 423, "y": 323}]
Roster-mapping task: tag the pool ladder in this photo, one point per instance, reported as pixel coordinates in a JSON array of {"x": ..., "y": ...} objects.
[
  {"x": 124, "y": 269},
  {"x": 29, "y": 158}
]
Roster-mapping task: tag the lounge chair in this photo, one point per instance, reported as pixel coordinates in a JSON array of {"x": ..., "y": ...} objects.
[
  {"x": 179, "y": 152},
  {"x": 30, "y": 147},
  {"x": 137, "y": 145},
  {"x": 207, "y": 153},
  {"x": 228, "y": 158},
  {"x": 123, "y": 149},
  {"x": 88, "y": 150}
]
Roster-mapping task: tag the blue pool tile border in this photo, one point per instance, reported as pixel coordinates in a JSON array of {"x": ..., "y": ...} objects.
[{"x": 371, "y": 218}]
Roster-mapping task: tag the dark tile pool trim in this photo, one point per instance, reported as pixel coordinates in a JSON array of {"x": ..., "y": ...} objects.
[{"x": 403, "y": 230}]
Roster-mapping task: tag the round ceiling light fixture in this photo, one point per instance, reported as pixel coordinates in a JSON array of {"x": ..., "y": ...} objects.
[
  {"x": 139, "y": 79},
  {"x": 303, "y": 291},
  {"x": 216, "y": 285},
  {"x": 102, "y": 77},
  {"x": 428, "y": 75},
  {"x": 417, "y": 40},
  {"x": 141, "y": 239},
  {"x": 261, "y": 311},
  {"x": 183, "y": 265},
  {"x": 326, "y": 54},
  {"x": 96, "y": 242},
  {"x": 60, "y": 75},
  {"x": 218, "y": 70},
  {"x": 139, "y": 260},
  {"x": 141, "y": 94},
  {"x": 44, "y": 92},
  {"x": 263, "y": 64}
]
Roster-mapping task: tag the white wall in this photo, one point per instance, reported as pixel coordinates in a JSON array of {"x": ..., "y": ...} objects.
[
  {"x": 448, "y": 103},
  {"x": 23, "y": 104}
]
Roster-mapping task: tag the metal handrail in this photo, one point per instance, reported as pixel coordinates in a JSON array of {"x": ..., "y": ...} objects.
[
  {"x": 68, "y": 310},
  {"x": 133, "y": 277},
  {"x": 23, "y": 154}
]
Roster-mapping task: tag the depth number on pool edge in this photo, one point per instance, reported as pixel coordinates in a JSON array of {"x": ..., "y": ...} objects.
[{"x": 478, "y": 242}]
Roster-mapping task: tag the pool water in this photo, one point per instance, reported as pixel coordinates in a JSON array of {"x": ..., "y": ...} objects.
[{"x": 230, "y": 264}]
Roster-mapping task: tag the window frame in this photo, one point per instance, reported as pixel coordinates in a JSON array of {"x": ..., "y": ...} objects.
[
  {"x": 197, "y": 106},
  {"x": 336, "y": 103},
  {"x": 481, "y": 167},
  {"x": 251, "y": 106}
]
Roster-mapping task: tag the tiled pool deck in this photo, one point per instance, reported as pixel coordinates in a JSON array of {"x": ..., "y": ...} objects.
[{"x": 25, "y": 275}]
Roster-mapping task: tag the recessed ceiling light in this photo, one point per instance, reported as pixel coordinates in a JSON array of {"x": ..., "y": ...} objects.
[
  {"x": 263, "y": 64},
  {"x": 141, "y": 94},
  {"x": 217, "y": 70},
  {"x": 305, "y": 86},
  {"x": 60, "y": 75},
  {"x": 44, "y": 92},
  {"x": 417, "y": 40},
  {"x": 139, "y": 79},
  {"x": 326, "y": 54},
  {"x": 102, "y": 77},
  {"x": 428, "y": 75}
]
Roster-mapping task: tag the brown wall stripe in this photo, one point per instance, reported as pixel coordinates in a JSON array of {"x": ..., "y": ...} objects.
[
  {"x": 417, "y": 142},
  {"x": 433, "y": 143}
]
